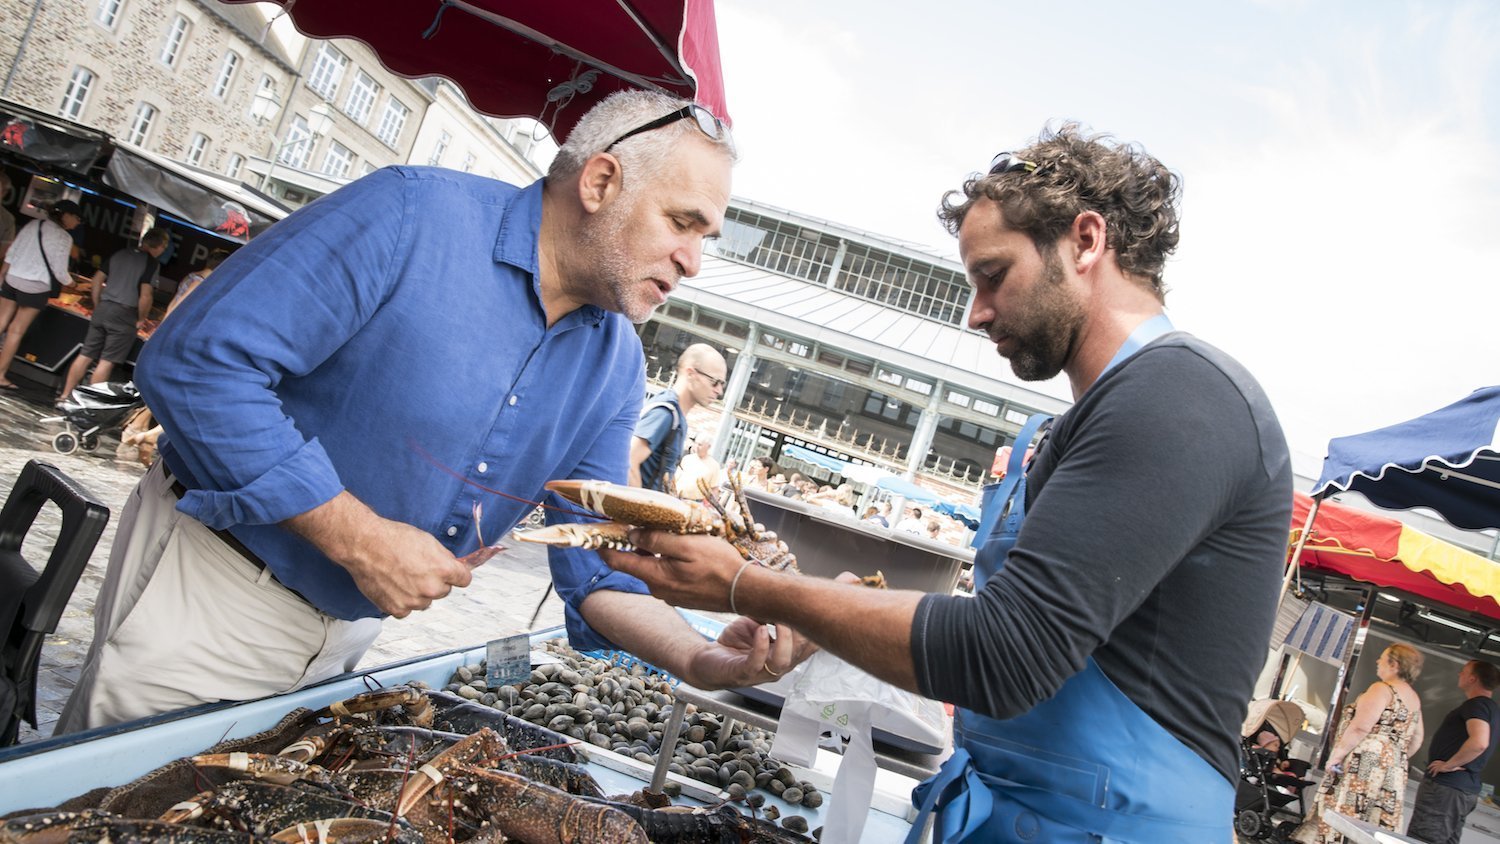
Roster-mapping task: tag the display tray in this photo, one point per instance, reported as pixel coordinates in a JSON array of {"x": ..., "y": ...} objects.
[{"x": 45, "y": 773}]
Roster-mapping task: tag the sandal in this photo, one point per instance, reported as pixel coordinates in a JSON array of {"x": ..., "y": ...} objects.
[{"x": 9, "y": 387}]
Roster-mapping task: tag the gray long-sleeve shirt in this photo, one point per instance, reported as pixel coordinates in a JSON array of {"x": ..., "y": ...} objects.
[{"x": 1156, "y": 529}]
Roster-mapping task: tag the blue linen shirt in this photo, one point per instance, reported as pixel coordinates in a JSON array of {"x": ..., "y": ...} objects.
[{"x": 389, "y": 339}]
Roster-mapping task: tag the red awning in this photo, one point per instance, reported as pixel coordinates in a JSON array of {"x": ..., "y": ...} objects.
[
  {"x": 521, "y": 58},
  {"x": 1385, "y": 552}
]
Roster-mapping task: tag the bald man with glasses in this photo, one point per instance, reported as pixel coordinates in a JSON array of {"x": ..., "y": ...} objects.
[{"x": 657, "y": 447}]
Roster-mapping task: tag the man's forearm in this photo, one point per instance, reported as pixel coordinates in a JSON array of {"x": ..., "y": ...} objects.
[
  {"x": 645, "y": 626},
  {"x": 869, "y": 628},
  {"x": 335, "y": 526},
  {"x": 1466, "y": 754}
]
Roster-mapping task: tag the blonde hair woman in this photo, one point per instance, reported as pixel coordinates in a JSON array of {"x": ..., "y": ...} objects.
[{"x": 1366, "y": 774}]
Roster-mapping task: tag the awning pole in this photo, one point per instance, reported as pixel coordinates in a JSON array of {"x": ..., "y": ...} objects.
[{"x": 1291, "y": 566}]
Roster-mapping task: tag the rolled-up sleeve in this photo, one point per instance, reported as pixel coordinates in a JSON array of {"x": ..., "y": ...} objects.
[
  {"x": 577, "y": 573},
  {"x": 274, "y": 311}
]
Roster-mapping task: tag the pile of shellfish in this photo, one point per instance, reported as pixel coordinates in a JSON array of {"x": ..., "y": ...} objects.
[{"x": 624, "y": 708}]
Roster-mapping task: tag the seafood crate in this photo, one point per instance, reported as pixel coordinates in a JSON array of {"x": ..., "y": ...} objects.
[{"x": 48, "y": 772}]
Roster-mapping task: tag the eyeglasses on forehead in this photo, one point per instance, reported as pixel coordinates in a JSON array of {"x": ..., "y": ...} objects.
[
  {"x": 1009, "y": 162},
  {"x": 710, "y": 125}
]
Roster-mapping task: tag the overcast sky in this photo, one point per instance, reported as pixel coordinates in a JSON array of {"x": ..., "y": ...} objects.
[{"x": 1340, "y": 162}]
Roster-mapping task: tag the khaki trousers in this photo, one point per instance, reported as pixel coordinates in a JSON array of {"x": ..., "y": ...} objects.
[{"x": 183, "y": 619}]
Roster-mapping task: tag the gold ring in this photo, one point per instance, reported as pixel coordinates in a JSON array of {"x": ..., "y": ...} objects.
[{"x": 768, "y": 670}]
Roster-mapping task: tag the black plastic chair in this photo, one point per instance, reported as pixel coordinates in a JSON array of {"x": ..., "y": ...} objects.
[{"x": 31, "y": 601}]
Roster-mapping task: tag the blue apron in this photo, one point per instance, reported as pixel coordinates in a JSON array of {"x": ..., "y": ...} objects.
[{"x": 1086, "y": 765}]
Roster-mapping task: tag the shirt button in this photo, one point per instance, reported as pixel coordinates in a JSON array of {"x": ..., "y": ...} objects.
[
  {"x": 452, "y": 530},
  {"x": 483, "y": 467},
  {"x": 512, "y": 401}
]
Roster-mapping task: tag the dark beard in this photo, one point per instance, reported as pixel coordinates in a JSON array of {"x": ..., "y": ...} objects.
[{"x": 1045, "y": 329}]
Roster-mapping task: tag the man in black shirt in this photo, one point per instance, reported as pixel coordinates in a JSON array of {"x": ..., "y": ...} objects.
[
  {"x": 1459, "y": 749},
  {"x": 1104, "y": 663}
]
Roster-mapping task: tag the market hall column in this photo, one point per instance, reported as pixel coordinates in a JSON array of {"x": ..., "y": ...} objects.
[
  {"x": 744, "y": 363},
  {"x": 921, "y": 439}
]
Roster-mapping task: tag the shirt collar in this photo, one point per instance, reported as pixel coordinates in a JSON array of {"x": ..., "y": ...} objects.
[
  {"x": 520, "y": 229},
  {"x": 518, "y": 243}
]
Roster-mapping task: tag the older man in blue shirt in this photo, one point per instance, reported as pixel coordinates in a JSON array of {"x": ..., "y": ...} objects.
[{"x": 356, "y": 377}]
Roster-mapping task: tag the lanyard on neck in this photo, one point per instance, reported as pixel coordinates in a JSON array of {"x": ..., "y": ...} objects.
[{"x": 1143, "y": 334}]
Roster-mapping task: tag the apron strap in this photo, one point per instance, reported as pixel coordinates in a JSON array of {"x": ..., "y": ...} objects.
[{"x": 1013, "y": 473}]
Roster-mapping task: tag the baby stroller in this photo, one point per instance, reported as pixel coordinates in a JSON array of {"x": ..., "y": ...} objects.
[
  {"x": 1269, "y": 781},
  {"x": 90, "y": 409}
]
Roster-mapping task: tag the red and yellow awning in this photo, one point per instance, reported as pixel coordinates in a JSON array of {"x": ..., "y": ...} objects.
[{"x": 1385, "y": 552}]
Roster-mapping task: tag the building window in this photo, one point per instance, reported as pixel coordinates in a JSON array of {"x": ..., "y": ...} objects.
[
  {"x": 299, "y": 141},
  {"x": 361, "y": 97},
  {"x": 366, "y": 168},
  {"x": 236, "y": 161},
  {"x": 196, "y": 148},
  {"x": 468, "y": 162},
  {"x": 327, "y": 70},
  {"x": 109, "y": 13},
  {"x": 439, "y": 148},
  {"x": 176, "y": 35},
  {"x": 338, "y": 160},
  {"x": 140, "y": 125},
  {"x": 901, "y": 282},
  {"x": 77, "y": 93},
  {"x": 778, "y": 246},
  {"x": 392, "y": 122},
  {"x": 227, "y": 68}
]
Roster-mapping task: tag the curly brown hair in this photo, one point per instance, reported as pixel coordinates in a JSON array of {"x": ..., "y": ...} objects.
[{"x": 1075, "y": 172}]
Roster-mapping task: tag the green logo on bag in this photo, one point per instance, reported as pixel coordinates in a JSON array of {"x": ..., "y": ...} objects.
[
  {"x": 828, "y": 711},
  {"x": 843, "y": 720}
]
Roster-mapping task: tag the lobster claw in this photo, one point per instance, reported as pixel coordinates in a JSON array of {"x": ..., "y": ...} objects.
[{"x": 590, "y": 536}]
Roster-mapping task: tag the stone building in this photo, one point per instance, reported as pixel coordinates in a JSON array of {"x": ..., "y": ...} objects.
[
  {"x": 221, "y": 87},
  {"x": 176, "y": 77}
]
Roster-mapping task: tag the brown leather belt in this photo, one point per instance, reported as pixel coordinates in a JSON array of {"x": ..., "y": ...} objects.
[{"x": 239, "y": 547}]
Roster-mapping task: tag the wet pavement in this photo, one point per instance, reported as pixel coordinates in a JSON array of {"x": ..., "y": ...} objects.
[{"x": 499, "y": 601}]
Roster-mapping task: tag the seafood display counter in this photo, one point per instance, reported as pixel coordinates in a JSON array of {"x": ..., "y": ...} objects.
[{"x": 48, "y": 773}]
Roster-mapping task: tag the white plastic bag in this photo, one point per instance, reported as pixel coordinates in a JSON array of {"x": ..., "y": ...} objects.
[{"x": 825, "y": 693}]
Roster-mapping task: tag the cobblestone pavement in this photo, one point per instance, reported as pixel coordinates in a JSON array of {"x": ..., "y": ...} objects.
[{"x": 500, "y": 600}]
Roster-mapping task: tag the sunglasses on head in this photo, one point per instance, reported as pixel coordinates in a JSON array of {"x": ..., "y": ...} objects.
[
  {"x": 710, "y": 125},
  {"x": 1009, "y": 162}
]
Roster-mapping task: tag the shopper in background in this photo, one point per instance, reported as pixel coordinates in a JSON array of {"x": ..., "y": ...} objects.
[
  {"x": 122, "y": 302},
  {"x": 698, "y": 467},
  {"x": 34, "y": 270},
  {"x": 1366, "y": 772},
  {"x": 1461, "y": 746},
  {"x": 657, "y": 446}
]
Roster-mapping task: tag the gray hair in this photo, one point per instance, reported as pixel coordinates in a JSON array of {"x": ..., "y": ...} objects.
[{"x": 646, "y": 153}]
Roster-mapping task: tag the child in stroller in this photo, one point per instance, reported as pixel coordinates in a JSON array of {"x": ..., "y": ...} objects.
[
  {"x": 90, "y": 409},
  {"x": 1269, "y": 780}
]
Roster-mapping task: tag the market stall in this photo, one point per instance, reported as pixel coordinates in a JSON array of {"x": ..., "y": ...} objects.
[{"x": 123, "y": 191}]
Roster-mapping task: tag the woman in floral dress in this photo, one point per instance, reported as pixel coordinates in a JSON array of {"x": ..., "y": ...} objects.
[{"x": 1366, "y": 773}]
